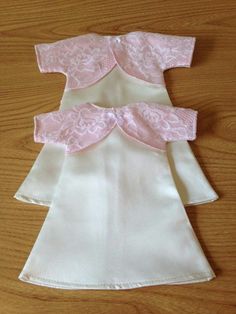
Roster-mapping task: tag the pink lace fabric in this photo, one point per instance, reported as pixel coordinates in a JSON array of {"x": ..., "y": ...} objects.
[
  {"x": 85, "y": 59},
  {"x": 87, "y": 124}
]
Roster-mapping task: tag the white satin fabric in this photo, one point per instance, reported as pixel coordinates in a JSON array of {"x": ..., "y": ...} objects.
[
  {"x": 117, "y": 89},
  {"x": 116, "y": 221}
]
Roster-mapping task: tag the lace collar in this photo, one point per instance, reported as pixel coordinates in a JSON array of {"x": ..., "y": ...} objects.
[{"x": 87, "y": 58}]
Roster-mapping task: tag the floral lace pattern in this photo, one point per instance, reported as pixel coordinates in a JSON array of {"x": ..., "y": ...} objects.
[
  {"x": 87, "y": 58},
  {"x": 86, "y": 124}
]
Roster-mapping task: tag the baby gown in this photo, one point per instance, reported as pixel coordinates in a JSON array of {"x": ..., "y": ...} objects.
[
  {"x": 124, "y": 235},
  {"x": 111, "y": 71}
]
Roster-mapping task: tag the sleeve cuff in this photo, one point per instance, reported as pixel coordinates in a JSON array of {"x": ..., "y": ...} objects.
[
  {"x": 193, "y": 134},
  {"x": 37, "y": 137},
  {"x": 38, "y": 53},
  {"x": 191, "y": 50}
]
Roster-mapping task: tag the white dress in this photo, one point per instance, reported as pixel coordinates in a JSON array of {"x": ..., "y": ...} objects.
[
  {"x": 115, "y": 222},
  {"x": 122, "y": 78}
]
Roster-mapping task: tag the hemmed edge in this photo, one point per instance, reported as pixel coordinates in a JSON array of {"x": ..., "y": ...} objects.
[
  {"x": 118, "y": 286},
  {"x": 37, "y": 201},
  {"x": 209, "y": 200},
  {"x": 31, "y": 200}
]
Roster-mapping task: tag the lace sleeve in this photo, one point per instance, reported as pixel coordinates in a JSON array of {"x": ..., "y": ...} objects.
[
  {"x": 174, "y": 51},
  {"x": 49, "y": 127},
  {"x": 182, "y": 124},
  {"x": 50, "y": 57}
]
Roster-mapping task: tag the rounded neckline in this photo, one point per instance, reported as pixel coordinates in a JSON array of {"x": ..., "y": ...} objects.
[
  {"x": 107, "y": 37},
  {"x": 117, "y": 36}
]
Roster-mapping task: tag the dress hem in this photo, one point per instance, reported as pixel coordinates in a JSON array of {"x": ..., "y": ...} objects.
[
  {"x": 192, "y": 278},
  {"x": 37, "y": 201},
  {"x": 199, "y": 202},
  {"x": 31, "y": 200}
]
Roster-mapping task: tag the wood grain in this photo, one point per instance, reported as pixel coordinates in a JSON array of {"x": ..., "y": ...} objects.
[{"x": 208, "y": 86}]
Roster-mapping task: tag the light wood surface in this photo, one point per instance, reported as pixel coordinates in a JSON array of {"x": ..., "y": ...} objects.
[{"x": 208, "y": 86}]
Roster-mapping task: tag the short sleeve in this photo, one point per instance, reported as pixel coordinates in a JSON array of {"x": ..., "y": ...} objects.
[
  {"x": 175, "y": 51},
  {"x": 50, "y": 57},
  {"x": 48, "y": 127},
  {"x": 181, "y": 124}
]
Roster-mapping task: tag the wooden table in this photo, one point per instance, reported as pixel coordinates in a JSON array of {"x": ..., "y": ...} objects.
[{"x": 208, "y": 86}]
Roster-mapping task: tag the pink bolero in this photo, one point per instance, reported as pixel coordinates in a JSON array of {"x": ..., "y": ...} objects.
[
  {"x": 86, "y": 124},
  {"x": 85, "y": 59}
]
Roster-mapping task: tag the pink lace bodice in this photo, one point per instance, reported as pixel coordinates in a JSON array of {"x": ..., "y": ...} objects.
[
  {"x": 85, "y": 59},
  {"x": 86, "y": 124}
]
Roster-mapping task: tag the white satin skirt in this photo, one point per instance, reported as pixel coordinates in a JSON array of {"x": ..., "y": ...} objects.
[
  {"x": 117, "y": 89},
  {"x": 116, "y": 221}
]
